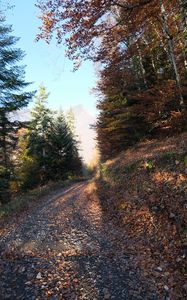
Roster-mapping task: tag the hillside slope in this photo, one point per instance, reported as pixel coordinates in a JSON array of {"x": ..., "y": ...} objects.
[{"x": 144, "y": 190}]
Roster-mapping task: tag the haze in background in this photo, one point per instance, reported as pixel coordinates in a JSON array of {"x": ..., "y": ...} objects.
[
  {"x": 48, "y": 64},
  {"x": 85, "y": 135}
]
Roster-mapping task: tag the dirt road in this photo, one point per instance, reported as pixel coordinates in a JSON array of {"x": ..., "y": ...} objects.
[{"x": 66, "y": 248}]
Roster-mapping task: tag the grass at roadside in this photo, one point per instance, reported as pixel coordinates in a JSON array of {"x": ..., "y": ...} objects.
[{"x": 26, "y": 199}]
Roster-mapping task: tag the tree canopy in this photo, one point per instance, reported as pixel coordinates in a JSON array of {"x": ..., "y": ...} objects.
[{"x": 141, "y": 48}]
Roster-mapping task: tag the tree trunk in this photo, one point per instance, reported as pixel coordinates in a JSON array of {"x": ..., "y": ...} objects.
[
  {"x": 171, "y": 52},
  {"x": 141, "y": 65}
]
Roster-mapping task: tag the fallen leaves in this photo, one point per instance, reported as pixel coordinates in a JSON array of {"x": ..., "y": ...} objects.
[{"x": 149, "y": 203}]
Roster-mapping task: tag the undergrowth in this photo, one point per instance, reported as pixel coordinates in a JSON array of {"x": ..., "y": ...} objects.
[{"x": 27, "y": 199}]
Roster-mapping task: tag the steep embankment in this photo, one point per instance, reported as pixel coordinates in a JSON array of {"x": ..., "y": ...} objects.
[{"x": 144, "y": 190}]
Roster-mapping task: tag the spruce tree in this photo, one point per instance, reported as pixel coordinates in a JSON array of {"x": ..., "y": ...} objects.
[
  {"x": 66, "y": 160},
  {"x": 12, "y": 97},
  {"x": 51, "y": 143},
  {"x": 70, "y": 119},
  {"x": 40, "y": 133}
]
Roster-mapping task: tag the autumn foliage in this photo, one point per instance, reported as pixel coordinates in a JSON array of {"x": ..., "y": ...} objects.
[{"x": 141, "y": 48}]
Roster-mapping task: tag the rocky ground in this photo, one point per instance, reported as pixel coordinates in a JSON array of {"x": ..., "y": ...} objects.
[{"x": 66, "y": 247}]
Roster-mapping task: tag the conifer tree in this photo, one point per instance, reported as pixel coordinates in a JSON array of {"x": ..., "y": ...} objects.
[
  {"x": 12, "y": 98},
  {"x": 51, "y": 143},
  {"x": 64, "y": 149},
  {"x": 40, "y": 133},
  {"x": 70, "y": 119}
]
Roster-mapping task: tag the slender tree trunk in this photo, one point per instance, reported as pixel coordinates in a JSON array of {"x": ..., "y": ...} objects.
[
  {"x": 171, "y": 52},
  {"x": 141, "y": 65}
]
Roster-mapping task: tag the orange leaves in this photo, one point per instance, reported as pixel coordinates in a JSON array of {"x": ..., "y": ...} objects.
[{"x": 49, "y": 21}]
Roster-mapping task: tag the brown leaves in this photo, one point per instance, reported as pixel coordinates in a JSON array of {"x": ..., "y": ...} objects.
[{"x": 150, "y": 207}]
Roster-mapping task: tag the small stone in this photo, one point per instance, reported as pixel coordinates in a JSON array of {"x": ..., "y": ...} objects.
[
  {"x": 39, "y": 276},
  {"x": 177, "y": 162},
  {"x": 23, "y": 269},
  {"x": 106, "y": 294},
  {"x": 166, "y": 288},
  {"x": 159, "y": 269},
  {"x": 154, "y": 208},
  {"x": 43, "y": 287},
  {"x": 172, "y": 215}
]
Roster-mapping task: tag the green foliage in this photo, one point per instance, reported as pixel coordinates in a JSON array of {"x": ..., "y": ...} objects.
[
  {"x": 39, "y": 134},
  {"x": 70, "y": 120},
  {"x": 4, "y": 185},
  {"x": 64, "y": 151},
  {"x": 149, "y": 165},
  {"x": 12, "y": 98},
  {"x": 88, "y": 170},
  {"x": 44, "y": 151},
  {"x": 112, "y": 174},
  {"x": 26, "y": 164},
  {"x": 48, "y": 149},
  {"x": 117, "y": 126}
]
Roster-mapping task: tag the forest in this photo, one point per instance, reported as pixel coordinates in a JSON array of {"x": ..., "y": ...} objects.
[
  {"x": 137, "y": 197},
  {"x": 141, "y": 49},
  {"x": 45, "y": 146}
]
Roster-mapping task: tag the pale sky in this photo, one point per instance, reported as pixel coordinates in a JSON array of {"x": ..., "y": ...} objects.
[{"x": 47, "y": 63}]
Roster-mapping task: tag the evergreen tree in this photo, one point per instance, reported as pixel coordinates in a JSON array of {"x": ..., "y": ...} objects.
[
  {"x": 121, "y": 120},
  {"x": 59, "y": 141},
  {"x": 40, "y": 133},
  {"x": 70, "y": 119},
  {"x": 51, "y": 143},
  {"x": 26, "y": 164},
  {"x": 64, "y": 148},
  {"x": 12, "y": 98}
]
